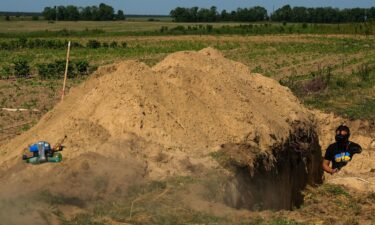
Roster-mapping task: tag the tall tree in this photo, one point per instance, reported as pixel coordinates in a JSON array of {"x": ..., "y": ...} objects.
[
  {"x": 49, "y": 13},
  {"x": 120, "y": 15}
]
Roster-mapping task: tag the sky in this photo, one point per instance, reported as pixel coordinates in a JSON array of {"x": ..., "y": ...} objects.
[{"x": 163, "y": 7}]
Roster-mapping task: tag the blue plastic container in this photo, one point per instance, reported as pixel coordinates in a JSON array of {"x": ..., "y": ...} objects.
[{"x": 34, "y": 147}]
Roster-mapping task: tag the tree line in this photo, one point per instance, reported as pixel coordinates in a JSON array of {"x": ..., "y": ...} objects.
[
  {"x": 102, "y": 12},
  {"x": 283, "y": 14},
  {"x": 323, "y": 15},
  {"x": 196, "y": 14}
]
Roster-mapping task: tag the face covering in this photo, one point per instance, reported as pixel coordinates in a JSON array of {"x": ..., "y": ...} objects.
[{"x": 341, "y": 138}]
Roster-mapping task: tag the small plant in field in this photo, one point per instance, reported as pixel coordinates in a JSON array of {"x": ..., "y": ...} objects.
[
  {"x": 93, "y": 44},
  {"x": 209, "y": 28},
  {"x": 341, "y": 82},
  {"x": 6, "y": 72},
  {"x": 113, "y": 44},
  {"x": 124, "y": 44},
  {"x": 82, "y": 67},
  {"x": 21, "y": 68},
  {"x": 105, "y": 45},
  {"x": 364, "y": 72}
]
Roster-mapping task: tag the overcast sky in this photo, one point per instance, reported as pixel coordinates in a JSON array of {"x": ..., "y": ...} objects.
[{"x": 163, "y": 7}]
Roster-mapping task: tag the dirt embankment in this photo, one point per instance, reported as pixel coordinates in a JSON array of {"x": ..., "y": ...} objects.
[{"x": 192, "y": 113}]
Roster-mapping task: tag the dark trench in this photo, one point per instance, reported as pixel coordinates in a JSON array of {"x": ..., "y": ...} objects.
[{"x": 297, "y": 164}]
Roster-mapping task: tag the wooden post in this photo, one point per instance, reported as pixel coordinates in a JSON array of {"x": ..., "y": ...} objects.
[{"x": 66, "y": 72}]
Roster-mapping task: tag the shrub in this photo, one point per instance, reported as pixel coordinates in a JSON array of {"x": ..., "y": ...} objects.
[
  {"x": 21, "y": 68},
  {"x": 209, "y": 28},
  {"x": 82, "y": 67},
  {"x": 364, "y": 72},
  {"x": 315, "y": 85},
  {"x": 179, "y": 28},
  {"x": 56, "y": 69},
  {"x": 6, "y": 72},
  {"x": 43, "y": 71},
  {"x": 93, "y": 44},
  {"x": 105, "y": 45},
  {"x": 113, "y": 44},
  {"x": 163, "y": 29},
  {"x": 341, "y": 82},
  {"x": 124, "y": 44}
]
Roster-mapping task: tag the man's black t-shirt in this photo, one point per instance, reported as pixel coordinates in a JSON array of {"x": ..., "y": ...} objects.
[{"x": 341, "y": 154}]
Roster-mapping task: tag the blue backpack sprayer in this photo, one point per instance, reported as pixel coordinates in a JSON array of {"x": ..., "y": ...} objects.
[{"x": 42, "y": 152}]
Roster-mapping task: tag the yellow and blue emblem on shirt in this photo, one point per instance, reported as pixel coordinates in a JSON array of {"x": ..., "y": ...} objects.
[{"x": 342, "y": 157}]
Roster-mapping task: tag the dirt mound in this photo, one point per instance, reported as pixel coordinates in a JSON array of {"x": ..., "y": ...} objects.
[
  {"x": 191, "y": 101},
  {"x": 130, "y": 122}
]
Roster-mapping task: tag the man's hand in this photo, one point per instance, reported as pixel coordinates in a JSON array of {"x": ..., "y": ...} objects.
[
  {"x": 327, "y": 168},
  {"x": 333, "y": 171}
]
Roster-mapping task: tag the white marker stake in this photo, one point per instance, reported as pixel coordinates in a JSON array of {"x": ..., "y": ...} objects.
[{"x": 66, "y": 72}]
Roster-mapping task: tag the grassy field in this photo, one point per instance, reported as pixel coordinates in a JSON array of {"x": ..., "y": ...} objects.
[{"x": 335, "y": 73}]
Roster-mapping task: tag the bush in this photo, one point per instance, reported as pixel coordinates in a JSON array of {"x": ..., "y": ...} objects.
[
  {"x": 364, "y": 72},
  {"x": 56, "y": 69},
  {"x": 179, "y": 28},
  {"x": 341, "y": 82},
  {"x": 21, "y": 68},
  {"x": 93, "y": 44},
  {"x": 113, "y": 44},
  {"x": 82, "y": 67},
  {"x": 209, "y": 28},
  {"x": 163, "y": 29},
  {"x": 6, "y": 72},
  {"x": 105, "y": 45},
  {"x": 124, "y": 44}
]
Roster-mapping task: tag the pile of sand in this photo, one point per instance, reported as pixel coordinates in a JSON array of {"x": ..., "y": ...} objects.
[{"x": 185, "y": 106}]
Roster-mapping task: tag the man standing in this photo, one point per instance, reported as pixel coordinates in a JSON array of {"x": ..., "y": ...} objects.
[{"x": 341, "y": 152}]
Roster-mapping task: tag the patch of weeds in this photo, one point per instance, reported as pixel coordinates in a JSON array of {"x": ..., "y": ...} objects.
[
  {"x": 341, "y": 82},
  {"x": 364, "y": 71},
  {"x": 162, "y": 214},
  {"x": 273, "y": 221},
  {"x": 284, "y": 221},
  {"x": 25, "y": 127},
  {"x": 351, "y": 221},
  {"x": 6, "y": 72},
  {"x": 258, "y": 69},
  {"x": 330, "y": 189}
]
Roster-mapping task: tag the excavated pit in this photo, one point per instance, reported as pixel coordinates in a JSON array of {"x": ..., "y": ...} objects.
[{"x": 275, "y": 181}]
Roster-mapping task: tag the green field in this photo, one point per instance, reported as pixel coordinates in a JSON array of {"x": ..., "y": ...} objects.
[{"x": 332, "y": 72}]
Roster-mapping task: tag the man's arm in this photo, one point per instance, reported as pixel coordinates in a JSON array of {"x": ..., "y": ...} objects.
[{"x": 327, "y": 168}]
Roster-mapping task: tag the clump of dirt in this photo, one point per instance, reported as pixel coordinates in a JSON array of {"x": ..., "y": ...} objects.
[{"x": 129, "y": 123}]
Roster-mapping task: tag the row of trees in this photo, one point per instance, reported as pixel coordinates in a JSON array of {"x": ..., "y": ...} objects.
[
  {"x": 102, "y": 12},
  {"x": 196, "y": 14},
  {"x": 322, "y": 15},
  {"x": 283, "y": 14}
]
